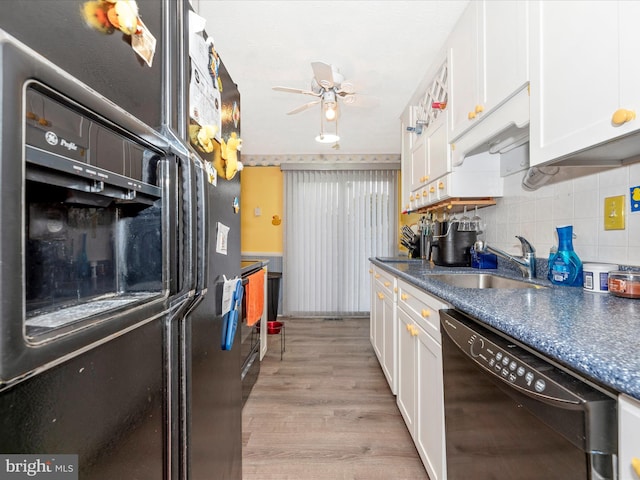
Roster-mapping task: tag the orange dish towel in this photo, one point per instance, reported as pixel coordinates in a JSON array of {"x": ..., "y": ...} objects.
[{"x": 254, "y": 294}]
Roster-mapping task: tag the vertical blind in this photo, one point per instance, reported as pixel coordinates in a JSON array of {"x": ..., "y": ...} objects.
[{"x": 334, "y": 221}]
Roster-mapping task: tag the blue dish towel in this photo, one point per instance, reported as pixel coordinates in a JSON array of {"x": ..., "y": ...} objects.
[{"x": 230, "y": 319}]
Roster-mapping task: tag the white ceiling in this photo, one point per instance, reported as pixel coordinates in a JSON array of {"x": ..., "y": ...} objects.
[{"x": 384, "y": 47}]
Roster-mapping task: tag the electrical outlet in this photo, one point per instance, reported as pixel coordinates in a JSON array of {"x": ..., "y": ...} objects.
[{"x": 614, "y": 213}]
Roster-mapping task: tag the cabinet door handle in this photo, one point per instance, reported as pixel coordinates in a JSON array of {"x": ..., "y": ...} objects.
[
  {"x": 441, "y": 185},
  {"x": 432, "y": 189},
  {"x": 404, "y": 296},
  {"x": 471, "y": 115},
  {"x": 635, "y": 463},
  {"x": 623, "y": 116},
  {"x": 377, "y": 275},
  {"x": 479, "y": 109},
  {"x": 380, "y": 296},
  {"x": 425, "y": 193},
  {"x": 387, "y": 284},
  {"x": 426, "y": 313}
]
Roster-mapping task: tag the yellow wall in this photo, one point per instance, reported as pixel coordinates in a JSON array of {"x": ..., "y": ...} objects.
[{"x": 261, "y": 187}]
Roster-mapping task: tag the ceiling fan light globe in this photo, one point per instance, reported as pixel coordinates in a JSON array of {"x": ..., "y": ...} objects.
[
  {"x": 330, "y": 114},
  {"x": 327, "y": 138}
]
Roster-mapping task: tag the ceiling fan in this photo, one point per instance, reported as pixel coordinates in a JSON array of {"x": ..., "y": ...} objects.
[{"x": 328, "y": 85}]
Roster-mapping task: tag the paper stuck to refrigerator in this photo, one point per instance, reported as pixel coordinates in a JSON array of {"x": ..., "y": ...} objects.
[
  {"x": 230, "y": 286},
  {"x": 222, "y": 237}
]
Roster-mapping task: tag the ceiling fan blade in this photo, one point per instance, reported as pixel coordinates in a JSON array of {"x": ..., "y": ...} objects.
[
  {"x": 346, "y": 88},
  {"x": 304, "y": 107},
  {"x": 360, "y": 100},
  {"x": 295, "y": 90},
  {"x": 323, "y": 74}
]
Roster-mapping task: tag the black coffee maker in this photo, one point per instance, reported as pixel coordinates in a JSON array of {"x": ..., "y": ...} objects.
[{"x": 452, "y": 247}]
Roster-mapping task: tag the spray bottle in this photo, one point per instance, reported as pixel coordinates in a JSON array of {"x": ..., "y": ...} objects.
[{"x": 565, "y": 267}]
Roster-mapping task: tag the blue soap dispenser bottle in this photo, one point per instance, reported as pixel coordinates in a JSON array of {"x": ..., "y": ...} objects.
[{"x": 565, "y": 267}]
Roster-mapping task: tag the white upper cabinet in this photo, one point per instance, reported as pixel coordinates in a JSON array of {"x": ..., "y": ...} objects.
[
  {"x": 488, "y": 61},
  {"x": 466, "y": 95},
  {"x": 506, "y": 50},
  {"x": 584, "y": 85},
  {"x": 405, "y": 158}
]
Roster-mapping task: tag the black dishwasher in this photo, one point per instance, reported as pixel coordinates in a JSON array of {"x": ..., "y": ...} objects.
[{"x": 510, "y": 414}]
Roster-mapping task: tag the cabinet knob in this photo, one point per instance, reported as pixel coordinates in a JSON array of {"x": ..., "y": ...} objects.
[
  {"x": 411, "y": 198},
  {"x": 635, "y": 463},
  {"x": 425, "y": 193},
  {"x": 395, "y": 289},
  {"x": 404, "y": 296},
  {"x": 387, "y": 284},
  {"x": 377, "y": 275},
  {"x": 409, "y": 328},
  {"x": 432, "y": 189},
  {"x": 623, "y": 116},
  {"x": 426, "y": 313},
  {"x": 414, "y": 331},
  {"x": 479, "y": 109},
  {"x": 380, "y": 296},
  {"x": 441, "y": 185},
  {"x": 370, "y": 271},
  {"x": 471, "y": 115}
]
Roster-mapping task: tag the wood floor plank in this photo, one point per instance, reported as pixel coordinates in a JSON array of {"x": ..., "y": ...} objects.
[{"x": 325, "y": 412}]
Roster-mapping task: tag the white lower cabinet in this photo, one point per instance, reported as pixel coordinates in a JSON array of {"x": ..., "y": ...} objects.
[
  {"x": 420, "y": 389},
  {"x": 406, "y": 370},
  {"x": 383, "y": 323},
  {"x": 429, "y": 432},
  {"x": 629, "y": 438}
]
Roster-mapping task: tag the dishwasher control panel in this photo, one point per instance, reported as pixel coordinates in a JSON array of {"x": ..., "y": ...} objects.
[{"x": 508, "y": 362}]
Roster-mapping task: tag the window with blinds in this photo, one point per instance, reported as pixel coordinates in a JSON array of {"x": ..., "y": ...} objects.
[{"x": 334, "y": 221}]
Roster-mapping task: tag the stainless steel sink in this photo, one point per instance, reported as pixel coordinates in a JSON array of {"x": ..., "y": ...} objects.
[{"x": 481, "y": 280}]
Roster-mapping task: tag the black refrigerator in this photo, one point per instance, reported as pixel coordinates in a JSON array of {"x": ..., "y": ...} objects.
[
  {"x": 212, "y": 373},
  {"x": 110, "y": 347}
]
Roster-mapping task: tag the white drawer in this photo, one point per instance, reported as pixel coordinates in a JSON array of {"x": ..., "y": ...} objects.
[
  {"x": 385, "y": 283},
  {"x": 422, "y": 307}
]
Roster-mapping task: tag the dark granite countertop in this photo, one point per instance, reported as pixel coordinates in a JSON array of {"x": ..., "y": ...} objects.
[{"x": 593, "y": 334}]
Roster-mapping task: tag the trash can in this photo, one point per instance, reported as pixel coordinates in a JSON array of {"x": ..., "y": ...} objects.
[{"x": 273, "y": 294}]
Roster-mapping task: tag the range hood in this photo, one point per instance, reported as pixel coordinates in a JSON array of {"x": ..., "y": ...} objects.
[{"x": 504, "y": 128}]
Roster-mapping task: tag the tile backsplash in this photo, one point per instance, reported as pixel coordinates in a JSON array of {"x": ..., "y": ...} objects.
[{"x": 579, "y": 202}]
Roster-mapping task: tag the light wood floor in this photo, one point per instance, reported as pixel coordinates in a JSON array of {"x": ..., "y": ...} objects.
[{"x": 325, "y": 412}]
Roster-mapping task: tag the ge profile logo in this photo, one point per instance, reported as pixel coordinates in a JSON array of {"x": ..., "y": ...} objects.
[{"x": 51, "y": 138}]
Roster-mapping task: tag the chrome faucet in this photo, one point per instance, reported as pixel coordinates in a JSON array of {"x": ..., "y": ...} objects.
[{"x": 526, "y": 263}]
